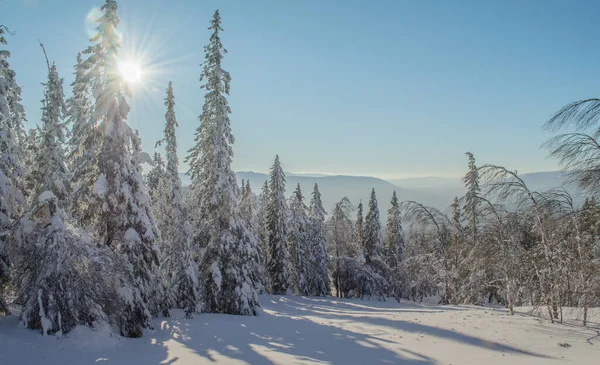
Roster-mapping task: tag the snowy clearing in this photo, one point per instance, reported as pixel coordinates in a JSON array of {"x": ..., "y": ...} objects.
[{"x": 295, "y": 330}]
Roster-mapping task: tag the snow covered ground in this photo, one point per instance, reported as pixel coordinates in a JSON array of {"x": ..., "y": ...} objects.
[{"x": 294, "y": 330}]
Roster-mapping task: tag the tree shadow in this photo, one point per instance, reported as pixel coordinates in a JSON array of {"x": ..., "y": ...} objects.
[
  {"x": 274, "y": 338},
  {"x": 292, "y": 305}
]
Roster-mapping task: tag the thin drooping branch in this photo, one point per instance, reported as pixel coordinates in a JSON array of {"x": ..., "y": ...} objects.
[
  {"x": 506, "y": 185},
  {"x": 424, "y": 216},
  {"x": 579, "y": 155},
  {"x": 45, "y": 54},
  {"x": 581, "y": 114}
]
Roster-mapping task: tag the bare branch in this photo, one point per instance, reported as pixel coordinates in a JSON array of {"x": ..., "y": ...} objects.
[
  {"x": 579, "y": 155},
  {"x": 581, "y": 114}
]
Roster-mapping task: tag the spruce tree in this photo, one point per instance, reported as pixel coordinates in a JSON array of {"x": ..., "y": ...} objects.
[
  {"x": 394, "y": 244},
  {"x": 83, "y": 144},
  {"x": 229, "y": 249},
  {"x": 12, "y": 167},
  {"x": 359, "y": 227},
  {"x": 471, "y": 181},
  {"x": 120, "y": 207},
  {"x": 32, "y": 150},
  {"x": 345, "y": 252},
  {"x": 319, "y": 272},
  {"x": 156, "y": 174},
  {"x": 60, "y": 274},
  {"x": 279, "y": 265},
  {"x": 299, "y": 243},
  {"x": 14, "y": 119},
  {"x": 376, "y": 270},
  {"x": 12, "y": 134},
  {"x": 394, "y": 239},
  {"x": 249, "y": 207},
  {"x": 263, "y": 235},
  {"x": 178, "y": 284},
  {"x": 250, "y": 212},
  {"x": 50, "y": 170}
]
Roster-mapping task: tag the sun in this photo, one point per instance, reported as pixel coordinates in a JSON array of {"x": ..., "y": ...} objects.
[{"x": 131, "y": 71}]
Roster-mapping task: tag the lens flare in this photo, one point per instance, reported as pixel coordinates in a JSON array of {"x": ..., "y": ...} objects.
[{"x": 131, "y": 71}]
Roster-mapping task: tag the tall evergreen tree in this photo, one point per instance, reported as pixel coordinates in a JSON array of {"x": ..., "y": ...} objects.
[
  {"x": 319, "y": 273},
  {"x": 250, "y": 211},
  {"x": 229, "y": 248},
  {"x": 50, "y": 171},
  {"x": 249, "y": 207},
  {"x": 243, "y": 189},
  {"x": 120, "y": 206},
  {"x": 12, "y": 168},
  {"x": 394, "y": 245},
  {"x": 179, "y": 278},
  {"x": 263, "y": 235},
  {"x": 32, "y": 151},
  {"x": 471, "y": 181},
  {"x": 359, "y": 227},
  {"x": 83, "y": 144},
  {"x": 298, "y": 240},
  {"x": 375, "y": 268},
  {"x": 345, "y": 252},
  {"x": 394, "y": 239},
  {"x": 156, "y": 174},
  {"x": 457, "y": 214},
  {"x": 14, "y": 135},
  {"x": 279, "y": 265}
]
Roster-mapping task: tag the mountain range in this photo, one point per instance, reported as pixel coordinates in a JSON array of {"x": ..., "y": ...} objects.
[{"x": 432, "y": 191}]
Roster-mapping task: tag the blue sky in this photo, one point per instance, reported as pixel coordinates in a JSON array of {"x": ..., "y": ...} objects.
[{"x": 380, "y": 88}]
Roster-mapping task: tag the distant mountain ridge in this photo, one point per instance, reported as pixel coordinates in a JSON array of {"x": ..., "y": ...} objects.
[{"x": 433, "y": 191}]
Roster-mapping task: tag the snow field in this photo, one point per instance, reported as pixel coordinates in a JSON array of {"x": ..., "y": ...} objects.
[{"x": 298, "y": 330}]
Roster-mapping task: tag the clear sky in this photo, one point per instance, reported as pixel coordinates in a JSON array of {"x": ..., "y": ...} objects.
[{"x": 381, "y": 88}]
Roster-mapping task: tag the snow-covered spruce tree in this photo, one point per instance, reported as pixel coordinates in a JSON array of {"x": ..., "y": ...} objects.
[
  {"x": 263, "y": 235},
  {"x": 319, "y": 259},
  {"x": 394, "y": 243},
  {"x": 156, "y": 173},
  {"x": 12, "y": 167},
  {"x": 162, "y": 293},
  {"x": 60, "y": 274},
  {"x": 249, "y": 207},
  {"x": 250, "y": 210},
  {"x": 32, "y": 147},
  {"x": 84, "y": 144},
  {"x": 16, "y": 119},
  {"x": 394, "y": 238},
  {"x": 471, "y": 181},
  {"x": 229, "y": 250},
  {"x": 178, "y": 269},
  {"x": 120, "y": 208},
  {"x": 345, "y": 252},
  {"x": 299, "y": 244},
  {"x": 50, "y": 169},
  {"x": 280, "y": 266},
  {"x": 375, "y": 270},
  {"x": 359, "y": 227}
]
